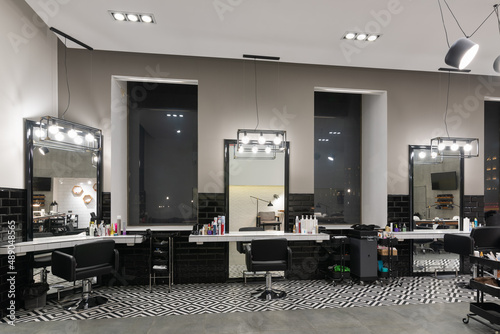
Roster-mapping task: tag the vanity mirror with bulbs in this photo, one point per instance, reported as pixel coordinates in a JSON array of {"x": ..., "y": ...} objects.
[{"x": 63, "y": 177}]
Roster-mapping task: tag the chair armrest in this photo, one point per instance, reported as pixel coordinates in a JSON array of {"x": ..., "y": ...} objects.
[
  {"x": 117, "y": 259},
  {"x": 63, "y": 265},
  {"x": 248, "y": 257},
  {"x": 289, "y": 264}
]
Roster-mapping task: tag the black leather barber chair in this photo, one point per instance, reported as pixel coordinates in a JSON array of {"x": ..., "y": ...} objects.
[
  {"x": 269, "y": 255},
  {"x": 422, "y": 245},
  {"x": 240, "y": 245},
  {"x": 86, "y": 261},
  {"x": 42, "y": 261}
]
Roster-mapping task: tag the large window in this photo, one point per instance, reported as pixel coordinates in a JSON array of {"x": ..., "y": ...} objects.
[
  {"x": 337, "y": 157},
  {"x": 162, "y": 153}
]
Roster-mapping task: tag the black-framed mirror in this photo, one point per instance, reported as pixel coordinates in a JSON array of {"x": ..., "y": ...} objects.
[
  {"x": 254, "y": 184},
  {"x": 63, "y": 181},
  {"x": 436, "y": 186}
]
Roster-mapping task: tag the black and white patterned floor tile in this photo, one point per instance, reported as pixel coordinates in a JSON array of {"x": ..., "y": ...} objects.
[
  {"x": 136, "y": 301},
  {"x": 432, "y": 264}
]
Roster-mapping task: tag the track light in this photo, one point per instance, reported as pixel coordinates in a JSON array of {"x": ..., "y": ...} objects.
[{"x": 461, "y": 53}]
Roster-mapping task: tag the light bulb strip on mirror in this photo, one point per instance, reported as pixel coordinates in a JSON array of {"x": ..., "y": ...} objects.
[
  {"x": 267, "y": 143},
  {"x": 455, "y": 147}
]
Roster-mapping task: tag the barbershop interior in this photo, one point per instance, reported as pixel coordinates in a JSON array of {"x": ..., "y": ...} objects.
[{"x": 236, "y": 166}]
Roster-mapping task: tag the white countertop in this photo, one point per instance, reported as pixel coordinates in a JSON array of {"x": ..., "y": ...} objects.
[
  {"x": 166, "y": 228},
  {"x": 250, "y": 235},
  {"x": 53, "y": 243},
  {"x": 427, "y": 234},
  {"x": 335, "y": 226}
]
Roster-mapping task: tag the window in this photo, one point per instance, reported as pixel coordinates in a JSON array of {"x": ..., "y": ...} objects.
[
  {"x": 162, "y": 153},
  {"x": 337, "y": 157}
]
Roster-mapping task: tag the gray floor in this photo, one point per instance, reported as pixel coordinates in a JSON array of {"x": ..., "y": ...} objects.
[{"x": 422, "y": 319}]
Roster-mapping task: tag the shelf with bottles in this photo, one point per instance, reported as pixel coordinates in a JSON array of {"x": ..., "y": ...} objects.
[{"x": 444, "y": 202}]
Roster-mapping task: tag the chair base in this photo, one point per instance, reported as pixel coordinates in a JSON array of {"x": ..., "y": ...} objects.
[
  {"x": 86, "y": 303},
  {"x": 272, "y": 294}
]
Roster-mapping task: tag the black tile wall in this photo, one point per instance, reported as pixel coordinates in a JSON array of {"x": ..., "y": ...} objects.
[
  {"x": 106, "y": 207},
  {"x": 398, "y": 208},
  {"x": 205, "y": 263},
  {"x": 473, "y": 206},
  {"x": 298, "y": 205},
  {"x": 12, "y": 208},
  {"x": 306, "y": 259},
  {"x": 210, "y": 205}
]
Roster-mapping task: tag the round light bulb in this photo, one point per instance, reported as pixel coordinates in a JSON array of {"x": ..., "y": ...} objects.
[
  {"x": 245, "y": 140},
  {"x": 240, "y": 150},
  {"x": 454, "y": 147},
  {"x": 72, "y": 133},
  {"x": 254, "y": 149},
  {"x": 53, "y": 129},
  {"x": 467, "y": 147},
  {"x": 38, "y": 132},
  {"x": 422, "y": 154},
  {"x": 434, "y": 155},
  {"x": 261, "y": 139},
  {"x": 277, "y": 140},
  {"x": 59, "y": 136},
  {"x": 268, "y": 149},
  {"x": 78, "y": 140},
  {"x": 441, "y": 146},
  {"x": 89, "y": 137}
]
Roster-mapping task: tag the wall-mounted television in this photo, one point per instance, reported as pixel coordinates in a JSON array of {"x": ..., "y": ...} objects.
[
  {"x": 42, "y": 183},
  {"x": 444, "y": 181}
]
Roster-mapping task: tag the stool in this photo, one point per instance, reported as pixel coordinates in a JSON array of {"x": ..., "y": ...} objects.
[{"x": 43, "y": 261}]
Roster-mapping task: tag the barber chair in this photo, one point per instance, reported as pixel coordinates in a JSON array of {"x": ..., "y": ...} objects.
[
  {"x": 423, "y": 245},
  {"x": 242, "y": 246},
  {"x": 269, "y": 255},
  {"x": 86, "y": 261},
  {"x": 42, "y": 261},
  {"x": 268, "y": 218}
]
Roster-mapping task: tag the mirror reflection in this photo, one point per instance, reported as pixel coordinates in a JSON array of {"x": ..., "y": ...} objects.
[{"x": 436, "y": 190}]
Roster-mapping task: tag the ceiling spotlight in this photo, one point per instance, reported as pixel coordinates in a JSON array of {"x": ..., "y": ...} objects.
[
  {"x": 43, "y": 150},
  {"x": 168, "y": 115},
  {"x": 181, "y": 115},
  {"x": 261, "y": 139},
  {"x": 178, "y": 131},
  {"x": 331, "y": 158},
  {"x": 132, "y": 17},
  {"x": 372, "y": 38},
  {"x": 461, "y": 53},
  {"x": 254, "y": 149},
  {"x": 119, "y": 16},
  {"x": 361, "y": 37},
  {"x": 350, "y": 35},
  {"x": 146, "y": 18}
]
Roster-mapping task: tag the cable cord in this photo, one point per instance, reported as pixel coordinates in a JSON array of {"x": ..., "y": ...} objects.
[
  {"x": 256, "y": 101},
  {"x": 446, "y": 110},
  {"x": 456, "y": 20},
  {"x": 67, "y": 82},
  {"x": 444, "y": 25}
]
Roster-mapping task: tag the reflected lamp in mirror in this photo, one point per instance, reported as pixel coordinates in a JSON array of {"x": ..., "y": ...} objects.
[
  {"x": 58, "y": 133},
  {"x": 77, "y": 190},
  {"x": 455, "y": 147},
  {"x": 87, "y": 199},
  {"x": 259, "y": 144},
  {"x": 423, "y": 156}
]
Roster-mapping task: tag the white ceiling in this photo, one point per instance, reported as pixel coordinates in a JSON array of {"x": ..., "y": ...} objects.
[{"x": 297, "y": 31}]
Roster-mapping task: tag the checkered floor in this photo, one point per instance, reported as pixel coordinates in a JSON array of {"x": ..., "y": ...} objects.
[
  {"x": 432, "y": 265},
  {"x": 136, "y": 301}
]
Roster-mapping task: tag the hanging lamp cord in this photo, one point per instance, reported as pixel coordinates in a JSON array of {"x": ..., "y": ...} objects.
[
  {"x": 256, "y": 100},
  {"x": 67, "y": 82}
]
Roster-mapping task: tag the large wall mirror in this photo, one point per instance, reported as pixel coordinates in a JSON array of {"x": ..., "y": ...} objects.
[
  {"x": 256, "y": 196},
  {"x": 436, "y": 194},
  {"x": 62, "y": 181}
]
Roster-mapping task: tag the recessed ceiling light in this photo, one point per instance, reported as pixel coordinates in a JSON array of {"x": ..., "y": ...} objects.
[
  {"x": 118, "y": 16},
  {"x": 181, "y": 115},
  {"x": 146, "y": 18},
  {"x": 361, "y": 37},
  {"x": 178, "y": 131},
  {"x": 132, "y": 17},
  {"x": 168, "y": 115},
  {"x": 372, "y": 38},
  {"x": 350, "y": 35}
]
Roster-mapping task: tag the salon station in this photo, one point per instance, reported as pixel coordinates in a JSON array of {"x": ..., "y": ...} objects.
[{"x": 166, "y": 173}]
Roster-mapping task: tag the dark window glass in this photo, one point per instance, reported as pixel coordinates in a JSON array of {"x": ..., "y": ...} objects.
[
  {"x": 491, "y": 156},
  {"x": 162, "y": 153},
  {"x": 337, "y": 157}
]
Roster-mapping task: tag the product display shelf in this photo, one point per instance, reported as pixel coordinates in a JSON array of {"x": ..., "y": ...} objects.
[
  {"x": 339, "y": 256},
  {"x": 489, "y": 311},
  {"x": 389, "y": 259},
  {"x": 160, "y": 258}
]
